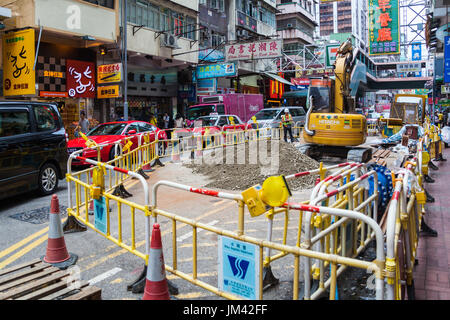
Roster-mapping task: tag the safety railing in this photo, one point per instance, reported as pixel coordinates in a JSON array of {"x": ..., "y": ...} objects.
[
  {"x": 404, "y": 218},
  {"x": 111, "y": 213},
  {"x": 372, "y": 129}
]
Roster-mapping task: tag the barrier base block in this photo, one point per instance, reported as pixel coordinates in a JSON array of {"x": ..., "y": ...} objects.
[
  {"x": 159, "y": 163},
  {"x": 268, "y": 278},
  {"x": 64, "y": 264},
  {"x": 138, "y": 285},
  {"x": 73, "y": 225},
  {"x": 120, "y": 191},
  {"x": 426, "y": 231},
  {"x": 142, "y": 173}
]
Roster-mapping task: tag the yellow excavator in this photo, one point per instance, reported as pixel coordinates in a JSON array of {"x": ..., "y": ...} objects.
[{"x": 332, "y": 127}]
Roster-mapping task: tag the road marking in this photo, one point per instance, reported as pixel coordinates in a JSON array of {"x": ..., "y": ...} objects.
[
  {"x": 22, "y": 252},
  {"x": 118, "y": 280},
  {"x": 104, "y": 276},
  {"x": 189, "y": 234},
  {"x": 22, "y": 242}
]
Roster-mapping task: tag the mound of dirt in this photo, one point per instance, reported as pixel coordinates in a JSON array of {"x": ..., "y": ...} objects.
[{"x": 237, "y": 174}]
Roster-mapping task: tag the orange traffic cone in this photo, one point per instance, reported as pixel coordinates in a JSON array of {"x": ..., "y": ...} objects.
[
  {"x": 57, "y": 253},
  {"x": 156, "y": 287}
]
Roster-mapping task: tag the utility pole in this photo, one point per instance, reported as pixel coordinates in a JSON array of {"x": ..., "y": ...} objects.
[{"x": 125, "y": 62}]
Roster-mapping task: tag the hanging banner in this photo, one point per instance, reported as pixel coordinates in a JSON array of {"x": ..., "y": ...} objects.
[
  {"x": 80, "y": 79},
  {"x": 109, "y": 73},
  {"x": 447, "y": 59},
  {"x": 19, "y": 77},
  {"x": 254, "y": 50},
  {"x": 384, "y": 27}
]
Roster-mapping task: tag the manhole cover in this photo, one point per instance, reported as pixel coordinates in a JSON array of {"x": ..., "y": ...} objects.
[{"x": 37, "y": 216}]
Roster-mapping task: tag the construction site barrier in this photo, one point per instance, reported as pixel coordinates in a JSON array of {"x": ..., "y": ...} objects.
[
  {"x": 404, "y": 219},
  {"x": 372, "y": 129}
]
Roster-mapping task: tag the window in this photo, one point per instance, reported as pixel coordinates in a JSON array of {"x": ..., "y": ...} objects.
[
  {"x": 103, "y": 3},
  {"x": 145, "y": 127},
  {"x": 220, "y": 109},
  {"x": 222, "y": 121},
  {"x": 46, "y": 119},
  {"x": 203, "y": 2},
  {"x": 133, "y": 127},
  {"x": 14, "y": 122}
]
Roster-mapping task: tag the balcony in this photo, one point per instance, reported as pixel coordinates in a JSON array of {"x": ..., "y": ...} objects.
[
  {"x": 291, "y": 34},
  {"x": 292, "y": 8}
]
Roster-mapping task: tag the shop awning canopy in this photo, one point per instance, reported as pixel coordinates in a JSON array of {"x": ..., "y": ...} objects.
[
  {"x": 277, "y": 78},
  {"x": 296, "y": 94}
]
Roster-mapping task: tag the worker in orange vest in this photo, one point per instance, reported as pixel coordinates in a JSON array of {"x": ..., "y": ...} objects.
[{"x": 286, "y": 121}]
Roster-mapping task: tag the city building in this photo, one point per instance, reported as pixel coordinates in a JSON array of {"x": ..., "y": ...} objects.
[{"x": 340, "y": 20}]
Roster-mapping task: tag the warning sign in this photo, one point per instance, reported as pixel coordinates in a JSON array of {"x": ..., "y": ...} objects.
[
  {"x": 238, "y": 268},
  {"x": 100, "y": 215}
]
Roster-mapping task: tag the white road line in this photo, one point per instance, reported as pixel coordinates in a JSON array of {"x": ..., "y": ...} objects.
[
  {"x": 189, "y": 234},
  {"x": 104, "y": 275}
]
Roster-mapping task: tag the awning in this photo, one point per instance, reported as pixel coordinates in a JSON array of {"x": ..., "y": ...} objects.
[
  {"x": 277, "y": 78},
  {"x": 296, "y": 94}
]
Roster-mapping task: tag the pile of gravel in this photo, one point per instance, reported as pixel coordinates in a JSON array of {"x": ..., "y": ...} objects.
[{"x": 233, "y": 175}]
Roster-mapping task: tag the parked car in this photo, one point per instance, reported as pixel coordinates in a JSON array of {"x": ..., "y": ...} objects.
[
  {"x": 271, "y": 117},
  {"x": 33, "y": 148},
  {"x": 109, "y": 133}
]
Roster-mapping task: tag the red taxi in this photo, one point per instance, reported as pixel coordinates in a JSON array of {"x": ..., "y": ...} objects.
[{"x": 109, "y": 133}]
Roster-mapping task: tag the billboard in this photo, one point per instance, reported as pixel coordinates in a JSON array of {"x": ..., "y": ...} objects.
[
  {"x": 254, "y": 50},
  {"x": 19, "y": 78},
  {"x": 384, "y": 27},
  {"x": 216, "y": 70}
]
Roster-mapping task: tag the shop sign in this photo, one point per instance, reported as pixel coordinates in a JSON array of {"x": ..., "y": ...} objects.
[
  {"x": 216, "y": 70},
  {"x": 447, "y": 59},
  {"x": 53, "y": 74},
  {"x": 104, "y": 92},
  {"x": 53, "y": 94},
  {"x": 409, "y": 67},
  {"x": 445, "y": 89},
  {"x": 109, "y": 73},
  {"x": 300, "y": 83},
  {"x": 206, "y": 86},
  {"x": 331, "y": 54},
  {"x": 80, "y": 79},
  {"x": 18, "y": 58},
  {"x": 315, "y": 72},
  {"x": 254, "y": 50},
  {"x": 384, "y": 27}
]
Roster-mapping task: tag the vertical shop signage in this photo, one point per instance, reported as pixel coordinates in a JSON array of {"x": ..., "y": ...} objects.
[
  {"x": 18, "y": 59},
  {"x": 384, "y": 31},
  {"x": 331, "y": 54},
  {"x": 80, "y": 79},
  {"x": 447, "y": 59}
]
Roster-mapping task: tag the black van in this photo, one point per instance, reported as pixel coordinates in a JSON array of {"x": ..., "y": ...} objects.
[{"x": 33, "y": 148}]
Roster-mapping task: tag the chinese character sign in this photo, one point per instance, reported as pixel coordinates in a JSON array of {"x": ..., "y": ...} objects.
[
  {"x": 416, "y": 51},
  {"x": 18, "y": 59},
  {"x": 254, "y": 50},
  {"x": 109, "y": 73},
  {"x": 216, "y": 70},
  {"x": 384, "y": 31},
  {"x": 80, "y": 79}
]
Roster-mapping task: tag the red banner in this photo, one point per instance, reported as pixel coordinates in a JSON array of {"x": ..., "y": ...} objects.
[{"x": 80, "y": 79}]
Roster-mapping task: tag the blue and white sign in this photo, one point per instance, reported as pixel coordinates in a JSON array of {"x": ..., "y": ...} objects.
[
  {"x": 239, "y": 268},
  {"x": 216, "y": 70},
  {"x": 416, "y": 53},
  {"x": 100, "y": 215},
  {"x": 447, "y": 59}
]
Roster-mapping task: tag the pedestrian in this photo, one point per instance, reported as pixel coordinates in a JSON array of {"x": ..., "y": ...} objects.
[
  {"x": 83, "y": 124},
  {"x": 153, "y": 120},
  {"x": 179, "y": 121},
  {"x": 166, "y": 120},
  {"x": 286, "y": 121}
]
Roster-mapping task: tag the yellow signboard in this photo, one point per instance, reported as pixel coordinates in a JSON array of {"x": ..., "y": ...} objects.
[
  {"x": 18, "y": 60},
  {"x": 109, "y": 73},
  {"x": 108, "y": 92}
]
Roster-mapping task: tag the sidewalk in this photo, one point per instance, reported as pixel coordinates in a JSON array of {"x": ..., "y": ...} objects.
[{"x": 432, "y": 274}]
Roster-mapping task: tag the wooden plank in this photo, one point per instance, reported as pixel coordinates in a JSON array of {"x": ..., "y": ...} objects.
[
  {"x": 19, "y": 266},
  {"x": 34, "y": 285},
  {"x": 27, "y": 272},
  {"x": 49, "y": 290},
  {"x": 24, "y": 280},
  {"x": 88, "y": 293},
  {"x": 63, "y": 292}
]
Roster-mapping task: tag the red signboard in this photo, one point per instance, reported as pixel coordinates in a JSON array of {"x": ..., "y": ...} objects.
[
  {"x": 300, "y": 81},
  {"x": 80, "y": 79}
]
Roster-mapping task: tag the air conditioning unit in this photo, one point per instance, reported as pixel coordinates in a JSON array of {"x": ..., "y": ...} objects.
[
  {"x": 242, "y": 33},
  {"x": 169, "y": 40},
  {"x": 289, "y": 26}
]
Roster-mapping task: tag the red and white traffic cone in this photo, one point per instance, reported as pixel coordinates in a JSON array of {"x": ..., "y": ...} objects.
[
  {"x": 156, "y": 287},
  {"x": 57, "y": 253}
]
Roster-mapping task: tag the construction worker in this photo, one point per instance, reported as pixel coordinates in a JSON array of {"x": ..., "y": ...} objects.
[{"x": 286, "y": 121}]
